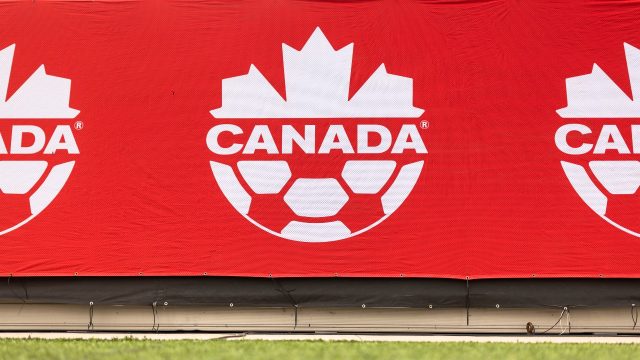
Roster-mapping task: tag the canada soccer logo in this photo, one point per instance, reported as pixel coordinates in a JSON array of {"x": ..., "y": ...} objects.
[
  {"x": 37, "y": 147},
  {"x": 601, "y": 150},
  {"x": 317, "y": 166}
]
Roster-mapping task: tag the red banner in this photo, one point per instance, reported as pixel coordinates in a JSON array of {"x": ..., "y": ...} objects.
[{"x": 417, "y": 139}]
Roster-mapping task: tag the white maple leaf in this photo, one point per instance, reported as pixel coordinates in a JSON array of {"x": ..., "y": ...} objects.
[
  {"x": 595, "y": 95},
  {"x": 317, "y": 86},
  {"x": 42, "y": 96}
]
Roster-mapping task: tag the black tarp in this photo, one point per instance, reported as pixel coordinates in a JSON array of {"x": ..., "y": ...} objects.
[{"x": 322, "y": 292}]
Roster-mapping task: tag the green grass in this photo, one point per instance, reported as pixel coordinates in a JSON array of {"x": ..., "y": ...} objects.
[{"x": 307, "y": 350}]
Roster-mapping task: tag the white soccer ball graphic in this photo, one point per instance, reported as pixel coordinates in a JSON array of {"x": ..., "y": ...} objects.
[
  {"x": 28, "y": 185},
  {"x": 317, "y": 85},
  {"x": 18, "y": 180},
  {"x": 317, "y": 198}
]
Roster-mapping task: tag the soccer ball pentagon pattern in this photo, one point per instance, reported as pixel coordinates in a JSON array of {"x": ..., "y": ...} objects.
[
  {"x": 31, "y": 175},
  {"x": 599, "y": 151},
  {"x": 320, "y": 167}
]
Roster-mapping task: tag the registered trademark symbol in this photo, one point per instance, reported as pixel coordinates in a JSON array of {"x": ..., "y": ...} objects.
[
  {"x": 424, "y": 124},
  {"x": 79, "y": 125}
]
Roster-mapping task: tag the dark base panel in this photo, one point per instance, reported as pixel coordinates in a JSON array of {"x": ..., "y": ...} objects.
[{"x": 322, "y": 292}]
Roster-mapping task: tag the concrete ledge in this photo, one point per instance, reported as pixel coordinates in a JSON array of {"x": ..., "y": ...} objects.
[{"x": 40, "y": 317}]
